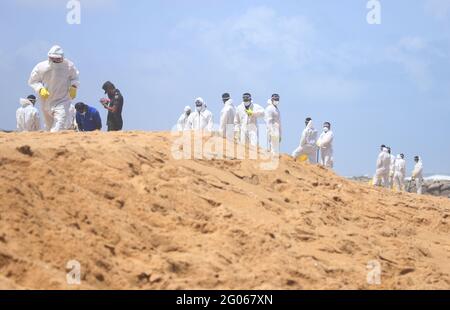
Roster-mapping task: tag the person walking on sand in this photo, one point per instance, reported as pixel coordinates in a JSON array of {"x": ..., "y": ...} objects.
[{"x": 56, "y": 81}]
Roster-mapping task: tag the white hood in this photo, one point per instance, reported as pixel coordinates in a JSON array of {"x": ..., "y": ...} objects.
[
  {"x": 25, "y": 102},
  {"x": 203, "y": 103},
  {"x": 56, "y": 52}
]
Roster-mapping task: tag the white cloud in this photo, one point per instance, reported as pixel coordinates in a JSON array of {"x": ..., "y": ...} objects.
[
  {"x": 440, "y": 9},
  {"x": 255, "y": 40},
  {"x": 410, "y": 53}
]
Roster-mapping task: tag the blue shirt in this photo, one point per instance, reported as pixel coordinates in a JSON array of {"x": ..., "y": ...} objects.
[{"x": 91, "y": 121}]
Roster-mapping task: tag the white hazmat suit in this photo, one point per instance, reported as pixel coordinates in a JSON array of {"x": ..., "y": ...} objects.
[
  {"x": 325, "y": 144},
  {"x": 273, "y": 123},
  {"x": 399, "y": 173},
  {"x": 381, "y": 177},
  {"x": 182, "y": 121},
  {"x": 392, "y": 171},
  {"x": 57, "y": 78},
  {"x": 71, "y": 118},
  {"x": 308, "y": 144},
  {"x": 27, "y": 116},
  {"x": 245, "y": 125},
  {"x": 418, "y": 176},
  {"x": 227, "y": 116},
  {"x": 201, "y": 119}
]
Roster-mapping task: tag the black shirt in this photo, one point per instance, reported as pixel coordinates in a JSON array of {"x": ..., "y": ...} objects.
[{"x": 115, "y": 122}]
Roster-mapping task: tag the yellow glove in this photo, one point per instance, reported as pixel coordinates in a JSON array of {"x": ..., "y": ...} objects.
[
  {"x": 249, "y": 112},
  {"x": 73, "y": 92},
  {"x": 44, "y": 93},
  {"x": 303, "y": 158}
]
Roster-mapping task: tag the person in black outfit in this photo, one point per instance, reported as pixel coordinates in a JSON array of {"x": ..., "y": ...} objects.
[{"x": 114, "y": 105}]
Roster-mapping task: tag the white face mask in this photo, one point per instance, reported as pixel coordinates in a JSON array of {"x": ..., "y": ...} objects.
[
  {"x": 275, "y": 103},
  {"x": 326, "y": 129},
  {"x": 199, "y": 109}
]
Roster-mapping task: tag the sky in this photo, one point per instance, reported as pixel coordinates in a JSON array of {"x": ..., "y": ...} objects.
[{"x": 387, "y": 83}]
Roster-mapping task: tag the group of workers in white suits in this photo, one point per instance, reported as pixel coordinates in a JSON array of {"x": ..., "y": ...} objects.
[
  {"x": 391, "y": 171},
  {"x": 241, "y": 124}
]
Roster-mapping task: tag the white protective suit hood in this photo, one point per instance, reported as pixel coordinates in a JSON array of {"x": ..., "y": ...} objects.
[
  {"x": 56, "y": 52},
  {"x": 187, "y": 109},
  {"x": 25, "y": 102},
  {"x": 203, "y": 104}
]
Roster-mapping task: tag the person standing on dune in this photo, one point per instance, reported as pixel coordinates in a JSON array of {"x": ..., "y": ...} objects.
[
  {"x": 400, "y": 173},
  {"x": 56, "y": 81},
  {"x": 27, "y": 115},
  {"x": 201, "y": 118},
  {"x": 227, "y": 116},
  {"x": 273, "y": 123},
  {"x": 246, "y": 121},
  {"x": 381, "y": 177},
  {"x": 114, "y": 105},
  {"x": 417, "y": 174},
  {"x": 325, "y": 144},
  {"x": 391, "y": 168},
  {"x": 181, "y": 124}
]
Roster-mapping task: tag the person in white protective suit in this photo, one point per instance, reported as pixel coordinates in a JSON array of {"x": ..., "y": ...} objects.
[
  {"x": 391, "y": 168},
  {"x": 246, "y": 121},
  {"x": 201, "y": 118},
  {"x": 27, "y": 115},
  {"x": 325, "y": 144},
  {"x": 56, "y": 82},
  {"x": 417, "y": 174},
  {"x": 400, "y": 173},
  {"x": 381, "y": 177},
  {"x": 227, "y": 116},
  {"x": 308, "y": 143},
  {"x": 273, "y": 123},
  {"x": 182, "y": 121}
]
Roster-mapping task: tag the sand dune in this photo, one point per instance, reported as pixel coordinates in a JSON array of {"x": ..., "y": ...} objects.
[{"x": 135, "y": 218}]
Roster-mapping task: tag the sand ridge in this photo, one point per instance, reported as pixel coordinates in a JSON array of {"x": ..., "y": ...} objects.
[{"x": 135, "y": 218}]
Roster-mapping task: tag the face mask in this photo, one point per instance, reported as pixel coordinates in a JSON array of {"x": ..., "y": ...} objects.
[
  {"x": 188, "y": 113},
  {"x": 326, "y": 129},
  {"x": 275, "y": 103},
  {"x": 56, "y": 60},
  {"x": 199, "y": 109}
]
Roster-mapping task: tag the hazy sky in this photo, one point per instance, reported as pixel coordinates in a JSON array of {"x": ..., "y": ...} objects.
[{"x": 377, "y": 84}]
